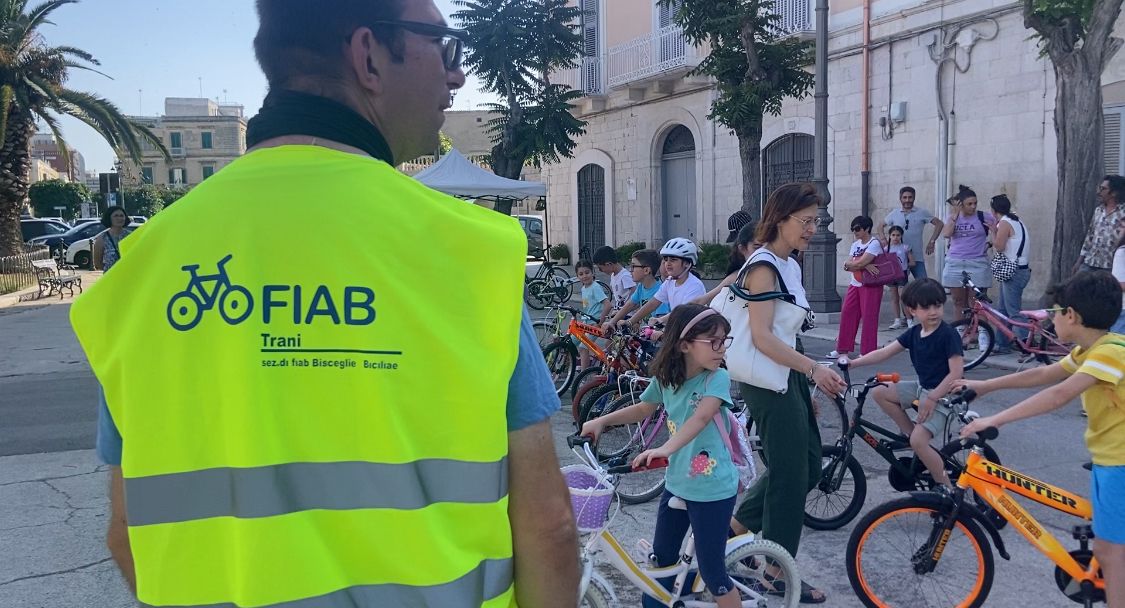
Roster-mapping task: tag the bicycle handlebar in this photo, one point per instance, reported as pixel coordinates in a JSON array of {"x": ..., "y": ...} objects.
[
  {"x": 657, "y": 463},
  {"x": 575, "y": 441},
  {"x": 888, "y": 378}
]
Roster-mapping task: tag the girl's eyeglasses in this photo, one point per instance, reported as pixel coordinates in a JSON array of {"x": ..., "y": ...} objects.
[
  {"x": 717, "y": 344},
  {"x": 452, "y": 40}
]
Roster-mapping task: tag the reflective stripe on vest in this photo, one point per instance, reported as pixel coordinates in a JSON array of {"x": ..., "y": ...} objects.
[
  {"x": 490, "y": 579},
  {"x": 313, "y": 410},
  {"x": 301, "y": 486}
]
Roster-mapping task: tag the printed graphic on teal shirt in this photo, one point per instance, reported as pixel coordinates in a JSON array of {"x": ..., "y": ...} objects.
[{"x": 701, "y": 470}]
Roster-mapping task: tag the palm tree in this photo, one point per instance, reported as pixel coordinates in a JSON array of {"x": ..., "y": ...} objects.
[{"x": 33, "y": 76}]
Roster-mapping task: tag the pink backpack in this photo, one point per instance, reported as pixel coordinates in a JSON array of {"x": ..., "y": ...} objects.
[{"x": 738, "y": 445}]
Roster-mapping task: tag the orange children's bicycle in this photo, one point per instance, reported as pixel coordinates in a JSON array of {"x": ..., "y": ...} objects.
[
  {"x": 931, "y": 549},
  {"x": 562, "y": 354}
]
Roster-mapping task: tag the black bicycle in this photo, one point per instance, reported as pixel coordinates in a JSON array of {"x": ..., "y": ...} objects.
[
  {"x": 838, "y": 497},
  {"x": 548, "y": 285}
]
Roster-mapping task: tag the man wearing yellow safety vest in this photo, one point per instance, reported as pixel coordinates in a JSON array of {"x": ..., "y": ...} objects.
[{"x": 307, "y": 413}]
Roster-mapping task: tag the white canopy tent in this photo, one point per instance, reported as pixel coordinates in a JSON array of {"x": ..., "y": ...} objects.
[{"x": 456, "y": 176}]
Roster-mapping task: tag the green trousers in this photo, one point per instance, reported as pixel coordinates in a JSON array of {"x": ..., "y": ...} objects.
[{"x": 775, "y": 504}]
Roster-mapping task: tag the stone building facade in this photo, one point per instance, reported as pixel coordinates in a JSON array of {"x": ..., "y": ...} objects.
[
  {"x": 652, "y": 166},
  {"x": 203, "y": 136}
]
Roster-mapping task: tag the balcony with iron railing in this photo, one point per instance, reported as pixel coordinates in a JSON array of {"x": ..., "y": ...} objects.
[
  {"x": 588, "y": 77},
  {"x": 666, "y": 54},
  {"x": 797, "y": 18}
]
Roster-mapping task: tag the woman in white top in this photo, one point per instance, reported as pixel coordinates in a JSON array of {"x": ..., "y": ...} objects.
[
  {"x": 775, "y": 504},
  {"x": 1011, "y": 239},
  {"x": 1119, "y": 274}
]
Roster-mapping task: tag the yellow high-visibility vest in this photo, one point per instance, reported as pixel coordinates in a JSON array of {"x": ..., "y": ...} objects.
[{"x": 308, "y": 360}]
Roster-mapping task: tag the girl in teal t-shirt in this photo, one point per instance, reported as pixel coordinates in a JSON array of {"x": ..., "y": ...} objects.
[{"x": 693, "y": 388}]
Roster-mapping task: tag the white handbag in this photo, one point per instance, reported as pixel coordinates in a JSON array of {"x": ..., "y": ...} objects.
[{"x": 745, "y": 363}]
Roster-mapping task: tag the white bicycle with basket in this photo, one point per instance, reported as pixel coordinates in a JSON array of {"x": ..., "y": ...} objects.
[{"x": 764, "y": 573}]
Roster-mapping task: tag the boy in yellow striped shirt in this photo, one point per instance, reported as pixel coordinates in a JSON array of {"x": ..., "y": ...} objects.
[{"x": 1088, "y": 306}]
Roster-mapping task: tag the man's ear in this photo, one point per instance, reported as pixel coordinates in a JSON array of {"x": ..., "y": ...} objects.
[{"x": 364, "y": 55}]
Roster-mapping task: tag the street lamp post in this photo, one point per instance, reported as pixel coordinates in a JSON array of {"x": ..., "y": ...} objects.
[{"x": 820, "y": 260}]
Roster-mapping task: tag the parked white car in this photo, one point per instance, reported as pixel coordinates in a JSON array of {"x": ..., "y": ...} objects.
[{"x": 81, "y": 252}]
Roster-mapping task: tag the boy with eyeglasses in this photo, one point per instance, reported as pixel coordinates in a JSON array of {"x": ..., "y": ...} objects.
[
  {"x": 644, "y": 267},
  {"x": 1087, "y": 307}
]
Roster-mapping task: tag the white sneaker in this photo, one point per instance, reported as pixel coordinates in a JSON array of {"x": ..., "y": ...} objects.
[
  {"x": 832, "y": 355},
  {"x": 910, "y": 322},
  {"x": 897, "y": 324}
]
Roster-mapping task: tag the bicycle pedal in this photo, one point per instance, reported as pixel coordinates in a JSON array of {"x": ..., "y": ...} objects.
[{"x": 644, "y": 554}]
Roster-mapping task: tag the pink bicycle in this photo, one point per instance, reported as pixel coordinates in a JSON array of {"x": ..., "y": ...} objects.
[{"x": 982, "y": 321}]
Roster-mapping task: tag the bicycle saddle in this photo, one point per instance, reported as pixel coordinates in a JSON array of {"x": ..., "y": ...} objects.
[{"x": 1038, "y": 315}]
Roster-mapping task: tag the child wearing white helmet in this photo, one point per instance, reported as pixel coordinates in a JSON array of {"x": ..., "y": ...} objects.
[{"x": 678, "y": 256}]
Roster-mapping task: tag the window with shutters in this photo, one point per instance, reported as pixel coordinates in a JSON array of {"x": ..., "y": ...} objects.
[
  {"x": 591, "y": 65},
  {"x": 146, "y": 174},
  {"x": 671, "y": 46},
  {"x": 1114, "y": 159}
]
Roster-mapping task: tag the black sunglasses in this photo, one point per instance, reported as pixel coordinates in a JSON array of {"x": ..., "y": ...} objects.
[{"x": 452, "y": 40}]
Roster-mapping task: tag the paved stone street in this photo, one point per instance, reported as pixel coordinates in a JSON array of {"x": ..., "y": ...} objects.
[{"x": 53, "y": 503}]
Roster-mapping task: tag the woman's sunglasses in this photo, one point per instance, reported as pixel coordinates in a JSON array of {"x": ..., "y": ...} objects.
[{"x": 452, "y": 40}]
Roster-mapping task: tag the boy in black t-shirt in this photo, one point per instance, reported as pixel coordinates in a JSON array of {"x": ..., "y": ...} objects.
[{"x": 935, "y": 352}]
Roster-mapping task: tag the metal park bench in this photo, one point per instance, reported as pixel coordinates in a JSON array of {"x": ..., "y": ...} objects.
[{"x": 52, "y": 280}]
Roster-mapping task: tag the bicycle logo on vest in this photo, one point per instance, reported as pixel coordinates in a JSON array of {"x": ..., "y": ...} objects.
[{"x": 186, "y": 308}]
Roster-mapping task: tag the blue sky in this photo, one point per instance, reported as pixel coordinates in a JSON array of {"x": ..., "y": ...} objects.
[{"x": 162, "y": 48}]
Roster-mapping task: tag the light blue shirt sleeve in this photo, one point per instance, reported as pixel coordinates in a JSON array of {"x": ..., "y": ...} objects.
[
  {"x": 531, "y": 393},
  {"x": 531, "y": 397},
  {"x": 108, "y": 442}
]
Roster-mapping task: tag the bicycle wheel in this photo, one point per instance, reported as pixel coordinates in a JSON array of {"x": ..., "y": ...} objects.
[
  {"x": 760, "y": 566},
  {"x": 832, "y": 504},
  {"x": 561, "y": 358},
  {"x": 596, "y": 402},
  {"x": 558, "y": 279},
  {"x": 888, "y": 546},
  {"x": 954, "y": 455},
  {"x": 597, "y": 595},
  {"x": 831, "y": 416},
  {"x": 591, "y": 384},
  {"x": 583, "y": 378},
  {"x": 984, "y": 339},
  {"x": 545, "y": 331},
  {"x": 538, "y": 294},
  {"x": 624, "y": 443}
]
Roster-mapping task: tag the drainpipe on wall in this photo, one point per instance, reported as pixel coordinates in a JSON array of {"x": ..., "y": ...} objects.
[{"x": 865, "y": 146}]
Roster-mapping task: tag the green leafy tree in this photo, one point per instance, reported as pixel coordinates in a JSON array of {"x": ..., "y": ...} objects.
[
  {"x": 169, "y": 195},
  {"x": 754, "y": 69},
  {"x": 33, "y": 88},
  {"x": 1077, "y": 35},
  {"x": 49, "y": 194},
  {"x": 513, "y": 46},
  {"x": 445, "y": 144},
  {"x": 146, "y": 200}
]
